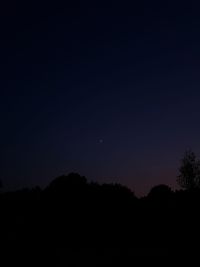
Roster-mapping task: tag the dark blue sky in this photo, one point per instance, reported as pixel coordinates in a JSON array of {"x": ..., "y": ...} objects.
[{"x": 110, "y": 91}]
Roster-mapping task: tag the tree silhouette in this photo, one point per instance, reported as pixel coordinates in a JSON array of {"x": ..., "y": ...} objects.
[
  {"x": 161, "y": 191},
  {"x": 189, "y": 177},
  {"x": 64, "y": 182}
]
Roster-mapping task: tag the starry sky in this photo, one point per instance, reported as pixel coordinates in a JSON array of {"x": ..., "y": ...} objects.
[{"x": 110, "y": 90}]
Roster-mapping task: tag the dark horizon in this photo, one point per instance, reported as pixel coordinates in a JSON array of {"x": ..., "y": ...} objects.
[
  {"x": 139, "y": 194},
  {"x": 108, "y": 91}
]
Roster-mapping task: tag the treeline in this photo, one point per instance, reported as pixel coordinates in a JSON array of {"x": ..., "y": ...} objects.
[{"x": 72, "y": 212}]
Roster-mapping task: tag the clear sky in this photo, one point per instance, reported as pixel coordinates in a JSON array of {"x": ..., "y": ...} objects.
[{"x": 110, "y": 91}]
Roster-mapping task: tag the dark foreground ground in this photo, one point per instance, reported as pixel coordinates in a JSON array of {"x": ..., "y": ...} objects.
[
  {"x": 73, "y": 223},
  {"x": 100, "y": 257}
]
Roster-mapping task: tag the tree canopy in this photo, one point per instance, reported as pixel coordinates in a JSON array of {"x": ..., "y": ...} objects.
[{"x": 189, "y": 171}]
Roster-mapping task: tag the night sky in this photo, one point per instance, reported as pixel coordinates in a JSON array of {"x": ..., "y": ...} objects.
[{"x": 110, "y": 91}]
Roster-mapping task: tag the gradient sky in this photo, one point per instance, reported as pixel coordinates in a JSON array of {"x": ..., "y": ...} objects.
[{"x": 110, "y": 91}]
